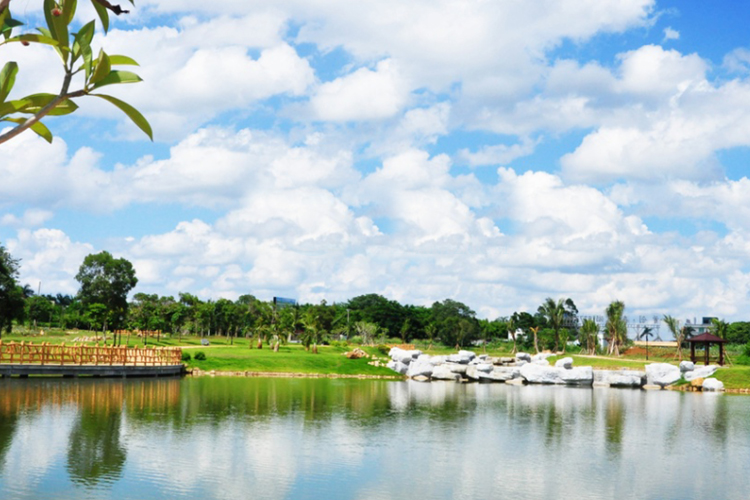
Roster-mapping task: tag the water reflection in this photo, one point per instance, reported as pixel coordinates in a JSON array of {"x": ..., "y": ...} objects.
[{"x": 223, "y": 438}]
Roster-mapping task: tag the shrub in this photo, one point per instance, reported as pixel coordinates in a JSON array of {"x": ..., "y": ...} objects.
[
  {"x": 356, "y": 340},
  {"x": 200, "y": 356},
  {"x": 384, "y": 349},
  {"x": 185, "y": 356},
  {"x": 339, "y": 343}
]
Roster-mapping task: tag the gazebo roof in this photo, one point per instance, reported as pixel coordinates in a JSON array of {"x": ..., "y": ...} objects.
[{"x": 707, "y": 337}]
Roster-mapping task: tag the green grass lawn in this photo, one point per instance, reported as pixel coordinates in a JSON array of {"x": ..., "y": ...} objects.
[
  {"x": 290, "y": 358},
  {"x": 234, "y": 355}
]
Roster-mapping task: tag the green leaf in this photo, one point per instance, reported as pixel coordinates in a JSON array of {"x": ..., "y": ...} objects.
[
  {"x": 31, "y": 37},
  {"x": 8, "y": 23},
  {"x": 10, "y": 107},
  {"x": 57, "y": 25},
  {"x": 36, "y": 102},
  {"x": 122, "y": 60},
  {"x": 102, "y": 69},
  {"x": 115, "y": 77},
  {"x": 103, "y": 14},
  {"x": 39, "y": 127},
  {"x": 88, "y": 57},
  {"x": 69, "y": 11},
  {"x": 82, "y": 39},
  {"x": 7, "y": 79},
  {"x": 135, "y": 115}
]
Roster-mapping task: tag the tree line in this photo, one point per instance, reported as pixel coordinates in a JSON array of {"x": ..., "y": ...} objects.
[{"x": 106, "y": 282}]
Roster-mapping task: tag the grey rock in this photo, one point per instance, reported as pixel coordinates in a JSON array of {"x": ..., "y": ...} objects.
[
  {"x": 538, "y": 374},
  {"x": 701, "y": 372},
  {"x": 687, "y": 366},
  {"x": 566, "y": 363},
  {"x": 443, "y": 372},
  {"x": 712, "y": 384},
  {"x": 398, "y": 366},
  {"x": 541, "y": 355},
  {"x": 662, "y": 374},
  {"x": 456, "y": 368},
  {"x": 523, "y": 356},
  {"x": 484, "y": 367},
  {"x": 580, "y": 375},
  {"x": 418, "y": 368}
]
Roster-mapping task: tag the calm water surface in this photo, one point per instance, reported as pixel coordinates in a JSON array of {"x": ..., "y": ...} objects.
[{"x": 236, "y": 438}]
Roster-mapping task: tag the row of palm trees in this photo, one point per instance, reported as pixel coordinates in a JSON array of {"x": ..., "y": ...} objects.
[{"x": 615, "y": 327}]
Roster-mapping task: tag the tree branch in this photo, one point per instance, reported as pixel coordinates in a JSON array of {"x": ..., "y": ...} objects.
[
  {"x": 4, "y": 5},
  {"x": 42, "y": 113},
  {"x": 104, "y": 3}
]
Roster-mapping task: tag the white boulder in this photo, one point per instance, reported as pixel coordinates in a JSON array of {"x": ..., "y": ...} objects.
[
  {"x": 662, "y": 374},
  {"x": 580, "y": 375},
  {"x": 540, "y": 362},
  {"x": 484, "y": 367},
  {"x": 712, "y": 384},
  {"x": 523, "y": 356},
  {"x": 687, "y": 366},
  {"x": 566, "y": 363},
  {"x": 417, "y": 368},
  {"x": 398, "y": 366},
  {"x": 538, "y": 374},
  {"x": 701, "y": 372},
  {"x": 541, "y": 355},
  {"x": 456, "y": 368},
  {"x": 443, "y": 372}
]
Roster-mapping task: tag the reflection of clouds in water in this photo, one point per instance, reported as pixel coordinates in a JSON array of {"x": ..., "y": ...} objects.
[
  {"x": 439, "y": 440},
  {"x": 230, "y": 460},
  {"x": 39, "y": 444}
]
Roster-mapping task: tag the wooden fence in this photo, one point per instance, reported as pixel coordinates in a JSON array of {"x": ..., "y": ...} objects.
[{"x": 21, "y": 353}]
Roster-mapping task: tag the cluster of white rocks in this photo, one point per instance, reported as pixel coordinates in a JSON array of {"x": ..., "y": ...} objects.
[{"x": 536, "y": 369}]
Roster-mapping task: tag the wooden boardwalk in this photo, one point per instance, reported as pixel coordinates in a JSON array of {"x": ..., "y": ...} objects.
[{"x": 24, "y": 359}]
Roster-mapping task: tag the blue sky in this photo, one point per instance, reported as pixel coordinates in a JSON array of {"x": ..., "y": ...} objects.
[{"x": 495, "y": 153}]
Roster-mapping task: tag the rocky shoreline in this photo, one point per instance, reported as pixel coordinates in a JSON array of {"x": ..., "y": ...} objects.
[{"x": 467, "y": 366}]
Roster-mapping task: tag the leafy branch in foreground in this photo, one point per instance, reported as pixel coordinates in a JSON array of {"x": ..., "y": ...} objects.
[{"x": 77, "y": 56}]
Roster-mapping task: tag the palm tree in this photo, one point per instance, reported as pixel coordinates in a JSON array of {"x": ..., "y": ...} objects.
[
  {"x": 510, "y": 325},
  {"x": 679, "y": 333},
  {"x": 554, "y": 312},
  {"x": 312, "y": 333},
  {"x": 535, "y": 331},
  {"x": 719, "y": 327},
  {"x": 616, "y": 328},
  {"x": 589, "y": 334},
  {"x": 430, "y": 330}
]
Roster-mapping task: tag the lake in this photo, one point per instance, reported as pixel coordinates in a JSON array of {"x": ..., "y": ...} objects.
[{"x": 242, "y": 438}]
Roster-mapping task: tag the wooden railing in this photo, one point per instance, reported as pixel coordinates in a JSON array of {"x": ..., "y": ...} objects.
[{"x": 21, "y": 353}]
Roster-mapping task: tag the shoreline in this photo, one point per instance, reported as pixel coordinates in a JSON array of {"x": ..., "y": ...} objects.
[{"x": 197, "y": 372}]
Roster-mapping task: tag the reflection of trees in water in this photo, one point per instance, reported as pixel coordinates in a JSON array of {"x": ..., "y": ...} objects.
[
  {"x": 95, "y": 453},
  {"x": 614, "y": 421},
  {"x": 7, "y": 431}
]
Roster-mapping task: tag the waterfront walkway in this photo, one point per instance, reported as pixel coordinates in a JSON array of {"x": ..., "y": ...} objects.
[{"x": 23, "y": 359}]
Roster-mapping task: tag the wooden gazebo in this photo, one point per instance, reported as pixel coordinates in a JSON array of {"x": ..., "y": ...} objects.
[{"x": 707, "y": 339}]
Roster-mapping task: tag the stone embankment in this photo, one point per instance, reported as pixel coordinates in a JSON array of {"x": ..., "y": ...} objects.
[{"x": 467, "y": 366}]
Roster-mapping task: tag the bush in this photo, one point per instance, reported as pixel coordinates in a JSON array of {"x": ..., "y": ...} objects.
[
  {"x": 384, "y": 349},
  {"x": 339, "y": 343},
  {"x": 356, "y": 340},
  {"x": 200, "y": 356},
  {"x": 185, "y": 356}
]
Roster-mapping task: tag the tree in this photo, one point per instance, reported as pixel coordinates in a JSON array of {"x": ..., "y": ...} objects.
[
  {"x": 77, "y": 56},
  {"x": 11, "y": 295},
  {"x": 616, "y": 328},
  {"x": 719, "y": 327},
  {"x": 589, "y": 335},
  {"x": 679, "y": 333},
  {"x": 555, "y": 313},
  {"x": 107, "y": 281}
]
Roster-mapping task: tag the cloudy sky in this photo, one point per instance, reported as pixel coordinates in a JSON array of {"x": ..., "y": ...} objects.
[{"x": 495, "y": 152}]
